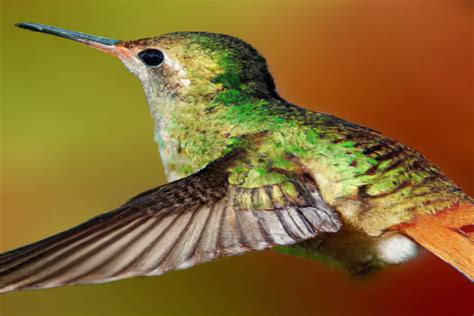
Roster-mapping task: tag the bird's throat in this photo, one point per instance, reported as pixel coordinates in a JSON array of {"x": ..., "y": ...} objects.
[{"x": 189, "y": 134}]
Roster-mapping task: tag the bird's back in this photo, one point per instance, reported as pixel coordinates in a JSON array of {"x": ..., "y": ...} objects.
[{"x": 373, "y": 181}]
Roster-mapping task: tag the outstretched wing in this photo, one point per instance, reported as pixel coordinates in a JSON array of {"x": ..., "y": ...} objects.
[{"x": 189, "y": 221}]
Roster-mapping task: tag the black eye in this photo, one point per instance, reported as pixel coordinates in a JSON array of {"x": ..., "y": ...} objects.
[{"x": 151, "y": 57}]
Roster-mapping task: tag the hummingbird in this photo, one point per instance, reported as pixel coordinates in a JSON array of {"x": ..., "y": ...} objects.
[{"x": 248, "y": 170}]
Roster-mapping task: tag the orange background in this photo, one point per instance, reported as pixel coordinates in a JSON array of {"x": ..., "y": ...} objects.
[{"x": 77, "y": 140}]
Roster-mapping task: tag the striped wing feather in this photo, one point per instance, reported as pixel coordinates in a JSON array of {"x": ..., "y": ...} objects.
[{"x": 175, "y": 226}]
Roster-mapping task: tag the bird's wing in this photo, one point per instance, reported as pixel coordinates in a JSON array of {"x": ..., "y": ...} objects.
[{"x": 175, "y": 226}]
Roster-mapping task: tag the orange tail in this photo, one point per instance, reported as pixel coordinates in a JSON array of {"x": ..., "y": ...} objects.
[{"x": 449, "y": 235}]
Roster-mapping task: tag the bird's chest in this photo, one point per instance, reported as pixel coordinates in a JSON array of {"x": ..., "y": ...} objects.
[
  {"x": 184, "y": 152},
  {"x": 171, "y": 156}
]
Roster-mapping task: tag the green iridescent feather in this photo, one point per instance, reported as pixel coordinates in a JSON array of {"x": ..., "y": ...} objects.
[{"x": 373, "y": 181}]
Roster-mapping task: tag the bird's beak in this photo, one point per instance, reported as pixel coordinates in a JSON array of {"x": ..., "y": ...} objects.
[{"x": 104, "y": 44}]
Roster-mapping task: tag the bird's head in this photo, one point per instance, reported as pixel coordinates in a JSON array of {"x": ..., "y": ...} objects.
[{"x": 187, "y": 66}]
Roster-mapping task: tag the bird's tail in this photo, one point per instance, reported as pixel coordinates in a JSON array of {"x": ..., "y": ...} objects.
[{"x": 448, "y": 234}]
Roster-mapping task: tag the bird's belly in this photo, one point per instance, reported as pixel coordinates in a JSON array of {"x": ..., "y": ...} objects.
[{"x": 355, "y": 251}]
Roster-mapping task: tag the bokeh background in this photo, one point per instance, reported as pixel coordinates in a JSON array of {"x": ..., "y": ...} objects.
[{"x": 76, "y": 140}]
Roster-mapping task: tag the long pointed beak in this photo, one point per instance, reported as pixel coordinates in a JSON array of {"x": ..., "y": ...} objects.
[{"x": 105, "y": 44}]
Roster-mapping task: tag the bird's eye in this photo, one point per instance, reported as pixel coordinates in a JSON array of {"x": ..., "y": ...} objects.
[{"x": 151, "y": 57}]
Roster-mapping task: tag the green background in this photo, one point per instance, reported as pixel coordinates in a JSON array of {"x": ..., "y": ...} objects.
[{"x": 76, "y": 140}]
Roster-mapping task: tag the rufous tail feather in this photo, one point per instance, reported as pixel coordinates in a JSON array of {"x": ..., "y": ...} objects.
[{"x": 448, "y": 234}]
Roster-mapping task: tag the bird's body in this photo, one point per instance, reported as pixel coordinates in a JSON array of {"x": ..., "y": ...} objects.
[
  {"x": 373, "y": 182},
  {"x": 280, "y": 175}
]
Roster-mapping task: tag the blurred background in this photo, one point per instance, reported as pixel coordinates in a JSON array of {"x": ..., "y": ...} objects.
[{"x": 76, "y": 140}]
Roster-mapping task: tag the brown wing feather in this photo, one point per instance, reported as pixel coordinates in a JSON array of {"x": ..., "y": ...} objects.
[{"x": 175, "y": 226}]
